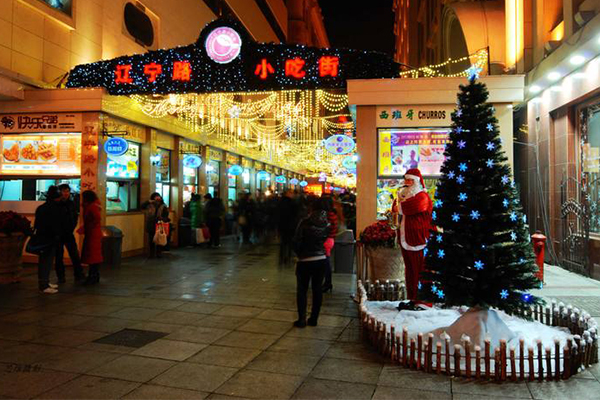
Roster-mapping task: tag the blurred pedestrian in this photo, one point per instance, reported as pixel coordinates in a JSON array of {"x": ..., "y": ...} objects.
[
  {"x": 309, "y": 246},
  {"x": 91, "y": 253},
  {"x": 332, "y": 219},
  {"x": 47, "y": 227},
  {"x": 69, "y": 220},
  {"x": 156, "y": 212},
  {"x": 196, "y": 214},
  {"x": 245, "y": 219},
  {"x": 214, "y": 210}
]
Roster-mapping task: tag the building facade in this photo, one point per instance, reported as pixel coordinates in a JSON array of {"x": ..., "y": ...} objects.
[
  {"x": 556, "y": 45},
  {"x": 42, "y": 40}
]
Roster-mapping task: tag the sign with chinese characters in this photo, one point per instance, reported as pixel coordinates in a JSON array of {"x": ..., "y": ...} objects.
[
  {"x": 89, "y": 154},
  {"x": 223, "y": 44},
  {"x": 43, "y": 123},
  {"x": 247, "y": 163},
  {"x": 415, "y": 116},
  {"x": 40, "y": 154},
  {"x": 116, "y": 146},
  {"x": 403, "y": 149},
  {"x": 303, "y": 183},
  {"x": 294, "y": 181},
  {"x": 280, "y": 179},
  {"x": 233, "y": 159},
  {"x": 214, "y": 154},
  {"x": 263, "y": 176},
  {"x": 226, "y": 59},
  {"x": 126, "y": 165},
  {"x": 339, "y": 144},
  {"x": 236, "y": 170},
  {"x": 349, "y": 162},
  {"x": 192, "y": 161}
]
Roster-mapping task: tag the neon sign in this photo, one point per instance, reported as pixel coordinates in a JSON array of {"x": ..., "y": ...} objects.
[
  {"x": 223, "y": 45},
  {"x": 339, "y": 144}
]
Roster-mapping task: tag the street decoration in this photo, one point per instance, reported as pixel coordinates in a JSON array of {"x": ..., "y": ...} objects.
[
  {"x": 236, "y": 170},
  {"x": 339, "y": 144}
]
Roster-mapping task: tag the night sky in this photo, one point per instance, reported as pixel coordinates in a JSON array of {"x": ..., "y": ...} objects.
[{"x": 363, "y": 25}]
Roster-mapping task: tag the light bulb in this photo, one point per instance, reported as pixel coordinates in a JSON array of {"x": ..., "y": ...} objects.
[
  {"x": 554, "y": 76},
  {"x": 577, "y": 59}
]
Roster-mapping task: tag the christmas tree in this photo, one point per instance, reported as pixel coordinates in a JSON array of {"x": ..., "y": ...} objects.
[{"x": 482, "y": 258}]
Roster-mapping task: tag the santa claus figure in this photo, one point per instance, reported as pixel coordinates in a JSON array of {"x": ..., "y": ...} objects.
[{"x": 415, "y": 209}]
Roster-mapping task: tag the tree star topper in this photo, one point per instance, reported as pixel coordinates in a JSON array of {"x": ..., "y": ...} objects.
[{"x": 474, "y": 72}]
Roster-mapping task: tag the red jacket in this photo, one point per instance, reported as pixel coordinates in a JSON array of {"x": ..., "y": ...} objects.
[
  {"x": 333, "y": 223},
  {"x": 416, "y": 221},
  {"x": 92, "y": 241}
]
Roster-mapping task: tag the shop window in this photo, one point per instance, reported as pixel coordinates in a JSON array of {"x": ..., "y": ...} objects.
[
  {"x": 163, "y": 175},
  {"x": 123, "y": 180},
  {"x": 591, "y": 162},
  {"x": 31, "y": 189},
  {"x": 231, "y": 187},
  {"x": 246, "y": 178},
  {"x": 212, "y": 176},
  {"x": 190, "y": 183}
]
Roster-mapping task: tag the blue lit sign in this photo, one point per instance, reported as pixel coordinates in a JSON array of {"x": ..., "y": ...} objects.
[
  {"x": 192, "y": 161},
  {"x": 280, "y": 179},
  {"x": 116, "y": 146},
  {"x": 339, "y": 144},
  {"x": 303, "y": 183},
  {"x": 263, "y": 176},
  {"x": 294, "y": 181},
  {"x": 236, "y": 170}
]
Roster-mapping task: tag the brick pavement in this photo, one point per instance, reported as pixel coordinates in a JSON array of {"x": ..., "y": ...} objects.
[{"x": 216, "y": 324}]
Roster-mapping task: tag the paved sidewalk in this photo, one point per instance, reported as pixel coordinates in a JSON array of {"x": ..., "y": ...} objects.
[{"x": 217, "y": 324}]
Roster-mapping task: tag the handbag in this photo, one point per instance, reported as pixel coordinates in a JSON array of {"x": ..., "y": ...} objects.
[
  {"x": 37, "y": 244},
  {"x": 205, "y": 233},
  {"x": 160, "y": 236}
]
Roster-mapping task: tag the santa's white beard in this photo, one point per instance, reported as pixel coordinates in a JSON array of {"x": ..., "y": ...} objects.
[{"x": 410, "y": 191}]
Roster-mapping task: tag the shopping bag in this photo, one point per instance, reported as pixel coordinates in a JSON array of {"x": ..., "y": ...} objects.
[
  {"x": 242, "y": 220},
  {"x": 37, "y": 244},
  {"x": 165, "y": 225},
  {"x": 200, "y": 236},
  {"x": 160, "y": 236},
  {"x": 205, "y": 233}
]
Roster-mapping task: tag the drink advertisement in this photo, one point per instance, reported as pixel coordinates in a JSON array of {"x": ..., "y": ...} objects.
[
  {"x": 403, "y": 149},
  {"x": 40, "y": 154},
  {"x": 125, "y": 165}
]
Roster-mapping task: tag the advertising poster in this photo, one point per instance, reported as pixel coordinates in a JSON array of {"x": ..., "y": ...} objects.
[
  {"x": 125, "y": 165},
  {"x": 40, "y": 154},
  {"x": 403, "y": 149}
]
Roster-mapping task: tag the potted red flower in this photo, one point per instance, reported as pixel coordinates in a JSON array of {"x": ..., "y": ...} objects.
[
  {"x": 384, "y": 256},
  {"x": 14, "y": 229}
]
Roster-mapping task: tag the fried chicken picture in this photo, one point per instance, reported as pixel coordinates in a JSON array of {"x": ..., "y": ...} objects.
[
  {"x": 28, "y": 152},
  {"x": 12, "y": 154}
]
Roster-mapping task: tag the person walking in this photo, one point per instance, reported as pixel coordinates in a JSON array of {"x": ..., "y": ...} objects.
[
  {"x": 47, "y": 227},
  {"x": 309, "y": 246},
  {"x": 196, "y": 214},
  {"x": 246, "y": 210},
  {"x": 91, "y": 253},
  {"x": 69, "y": 220},
  {"x": 156, "y": 211},
  {"x": 214, "y": 211},
  {"x": 332, "y": 219}
]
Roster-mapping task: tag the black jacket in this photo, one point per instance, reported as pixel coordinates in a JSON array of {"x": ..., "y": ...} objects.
[
  {"x": 69, "y": 215},
  {"x": 311, "y": 235},
  {"x": 48, "y": 221}
]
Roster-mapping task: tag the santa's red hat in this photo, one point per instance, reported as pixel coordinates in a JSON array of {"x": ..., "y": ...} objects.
[{"x": 415, "y": 174}]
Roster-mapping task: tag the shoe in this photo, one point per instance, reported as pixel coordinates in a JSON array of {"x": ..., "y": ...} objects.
[
  {"x": 327, "y": 288},
  {"x": 53, "y": 286},
  {"x": 300, "y": 324},
  {"x": 312, "y": 322},
  {"x": 49, "y": 290}
]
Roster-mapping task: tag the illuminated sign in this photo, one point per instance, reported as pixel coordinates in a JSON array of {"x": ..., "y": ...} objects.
[
  {"x": 236, "y": 170},
  {"x": 303, "y": 183},
  {"x": 339, "y": 144},
  {"x": 263, "y": 176},
  {"x": 280, "y": 179},
  {"x": 116, "y": 146},
  {"x": 125, "y": 165},
  {"x": 349, "y": 162},
  {"x": 192, "y": 161},
  {"x": 294, "y": 181},
  {"x": 223, "y": 45}
]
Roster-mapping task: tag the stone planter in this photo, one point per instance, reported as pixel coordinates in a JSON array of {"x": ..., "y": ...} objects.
[
  {"x": 384, "y": 263},
  {"x": 11, "y": 251}
]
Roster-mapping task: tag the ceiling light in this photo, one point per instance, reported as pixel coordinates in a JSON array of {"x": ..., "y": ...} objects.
[
  {"x": 577, "y": 60},
  {"x": 556, "y": 88},
  {"x": 554, "y": 76},
  {"x": 579, "y": 75},
  {"x": 535, "y": 89}
]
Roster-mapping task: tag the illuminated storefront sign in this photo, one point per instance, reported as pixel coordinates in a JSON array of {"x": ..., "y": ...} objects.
[
  {"x": 236, "y": 170},
  {"x": 223, "y": 45},
  {"x": 192, "y": 161},
  {"x": 116, "y": 146},
  {"x": 339, "y": 144},
  {"x": 280, "y": 179}
]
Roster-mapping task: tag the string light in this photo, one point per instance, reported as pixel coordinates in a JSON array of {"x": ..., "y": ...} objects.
[{"x": 479, "y": 59}]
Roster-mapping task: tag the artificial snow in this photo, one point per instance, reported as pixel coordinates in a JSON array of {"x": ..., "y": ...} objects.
[{"x": 494, "y": 327}]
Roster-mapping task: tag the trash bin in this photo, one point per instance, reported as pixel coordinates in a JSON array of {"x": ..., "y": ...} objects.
[
  {"x": 112, "y": 242},
  {"x": 185, "y": 232},
  {"x": 343, "y": 252}
]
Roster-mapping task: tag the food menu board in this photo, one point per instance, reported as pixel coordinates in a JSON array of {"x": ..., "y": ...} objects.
[
  {"x": 40, "y": 154},
  {"x": 403, "y": 149},
  {"x": 125, "y": 165}
]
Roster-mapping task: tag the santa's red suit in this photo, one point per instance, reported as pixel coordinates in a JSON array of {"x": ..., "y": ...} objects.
[{"x": 414, "y": 229}]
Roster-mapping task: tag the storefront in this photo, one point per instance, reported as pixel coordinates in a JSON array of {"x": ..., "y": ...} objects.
[
  {"x": 234, "y": 176},
  {"x": 404, "y": 124},
  {"x": 263, "y": 178},
  {"x": 247, "y": 174},
  {"x": 190, "y": 153},
  {"x": 213, "y": 171}
]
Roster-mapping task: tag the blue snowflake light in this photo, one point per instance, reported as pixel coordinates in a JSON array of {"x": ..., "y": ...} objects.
[
  {"x": 460, "y": 179},
  {"x": 425, "y": 251},
  {"x": 462, "y": 197},
  {"x": 513, "y": 216},
  {"x": 505, "y": 179},
  {"x": 462, "y": 167},
  {"x": 505, "y": 203},
  {"x": 490, "y": 127},
  {"x": 521, "y": 260},
  {"x": 461, "y": 144},
  {"x": 451, "y": 175},
  {"x": 474, "y": 72},
  {"x": 441, "y": 253},
  {"x": 504, "y": 294},
  {"x": 433, "y": 288},
  {"x": 513, "y": 236},
  {"x": 459, "y": 112},
  {"x": 526, "y": 297},
  {"x": 479, "y": 265},
  {"x": 440, "y": 294},
  {"x": 490, "y": 146},
  {"x": 438, "y": 238},
  {"x": 459, "y": 129},
  {"x": 524, "y": 218},
  {"x": 419, "y": 286},
  {"x": 434, "y": 215},
  {"x": 489, "y": 163},
  {"x": 438, "y": 203},
  {"x": 455, "y": 217},
  {"x": 475, "y": 214}
]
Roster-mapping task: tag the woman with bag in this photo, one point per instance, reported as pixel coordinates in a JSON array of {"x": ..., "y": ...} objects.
[
  {"x": 91, "y": 253},
  {"x": 157, "y": 216},
  {"x": 44, "y": 241}
]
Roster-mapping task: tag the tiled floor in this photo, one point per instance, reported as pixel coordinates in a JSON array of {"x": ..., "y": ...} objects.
[{"x": 217, "y": 325}]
